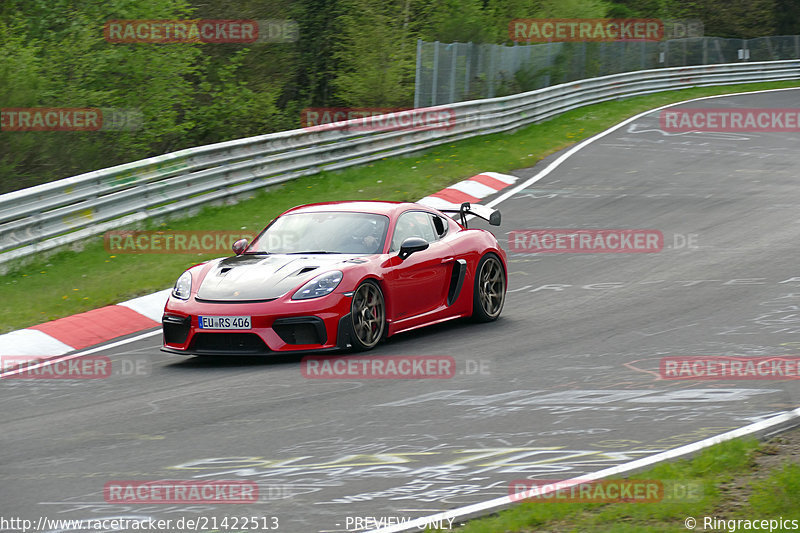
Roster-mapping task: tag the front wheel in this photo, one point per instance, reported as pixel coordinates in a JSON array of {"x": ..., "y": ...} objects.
[
  {"x": 368, "y": 316},
  {"x": 490, "y": 289}
]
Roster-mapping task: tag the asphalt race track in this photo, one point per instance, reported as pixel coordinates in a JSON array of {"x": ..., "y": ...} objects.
[{"x": 565, "y": 383}]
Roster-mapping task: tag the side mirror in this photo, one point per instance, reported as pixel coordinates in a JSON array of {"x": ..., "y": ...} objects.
[
  {"x": 411, "y": 245},
  {"x": 240, "y": 246}
]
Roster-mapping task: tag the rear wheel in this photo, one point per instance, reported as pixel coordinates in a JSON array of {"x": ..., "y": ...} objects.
[
  {"x": 368, "y": 315},
  {"x": 490, "y": 289}
]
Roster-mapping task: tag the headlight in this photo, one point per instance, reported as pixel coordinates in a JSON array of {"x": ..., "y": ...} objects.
[
  {"x": 319, "y": 286},
  {"x": 183, "y": 287}
]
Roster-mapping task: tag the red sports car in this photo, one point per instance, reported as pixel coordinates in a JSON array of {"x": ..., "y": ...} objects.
[{"x": 339, "y": 275}]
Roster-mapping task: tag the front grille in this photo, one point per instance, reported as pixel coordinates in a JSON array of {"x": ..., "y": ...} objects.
[
  {"x": 228, "y": 343},
  {"x": 204, "y": 301},
  {"x": 176, "y": 329},
  {"x": 301, "y": 330}
]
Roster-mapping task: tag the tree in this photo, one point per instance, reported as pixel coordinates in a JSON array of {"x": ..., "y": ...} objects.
[
  {"x": 742, "y": 19},
  {"x": 375, "y": 54}
]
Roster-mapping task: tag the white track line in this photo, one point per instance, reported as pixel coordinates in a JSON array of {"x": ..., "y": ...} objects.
[
  {"x": 555, "y": 164},
  {"x": 497, "y": 503},
  {"x": 504, "y": 501},
  {"x": 57, "y": 359}
]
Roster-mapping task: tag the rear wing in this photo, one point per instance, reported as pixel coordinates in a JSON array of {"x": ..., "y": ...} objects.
[{"x": 492, "y": 216}]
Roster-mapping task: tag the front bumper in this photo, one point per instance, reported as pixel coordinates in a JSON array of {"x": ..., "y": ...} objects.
[{"x": 277, "y": 326}]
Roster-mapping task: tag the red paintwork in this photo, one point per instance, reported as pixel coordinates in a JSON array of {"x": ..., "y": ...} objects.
[{"x": 415, "y": 290}]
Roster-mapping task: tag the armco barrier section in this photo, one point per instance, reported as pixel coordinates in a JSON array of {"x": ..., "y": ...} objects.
[{"x": 53, "y": 214}]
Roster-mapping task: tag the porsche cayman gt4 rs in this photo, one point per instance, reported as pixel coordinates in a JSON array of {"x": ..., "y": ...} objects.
[{"x": 339, "y": 275}]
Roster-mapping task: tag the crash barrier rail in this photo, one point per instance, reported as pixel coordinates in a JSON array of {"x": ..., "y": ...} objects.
[{"x": 66, "y": 211}]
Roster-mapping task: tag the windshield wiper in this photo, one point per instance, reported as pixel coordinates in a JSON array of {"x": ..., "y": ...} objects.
[{"x": 312, "y": 252}]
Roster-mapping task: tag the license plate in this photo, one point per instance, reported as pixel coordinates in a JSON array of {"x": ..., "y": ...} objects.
[{"x": 223, "y": 322}]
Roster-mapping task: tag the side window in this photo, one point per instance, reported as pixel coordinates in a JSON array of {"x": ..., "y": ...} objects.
[
  {"x": 440, "y": 226},
  {"x": 413, "y": 224}
]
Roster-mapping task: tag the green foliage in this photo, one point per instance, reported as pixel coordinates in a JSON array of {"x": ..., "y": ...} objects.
[
  {"x": 742, "y": 19},
  {"x": 779, "y": 493},
  {"x": 350, "y": 53},
  {"x": 376, "y": 54},
  {"x": 636, "y": 9},
  {"x": 22, "y": 78},
  {"x": 788, "y": 21},
  {"x": 573, "y": 8},
  {"x": 451, "y": 21},
  {"x": 57, "y": 57},
  {"x": 229, "y": 108}
]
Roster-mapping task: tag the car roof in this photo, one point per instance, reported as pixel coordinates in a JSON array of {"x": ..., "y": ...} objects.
[{"x": 390, "y": 209}]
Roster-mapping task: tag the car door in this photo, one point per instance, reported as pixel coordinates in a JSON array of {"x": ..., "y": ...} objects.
[{"x": 419, "y": 283}]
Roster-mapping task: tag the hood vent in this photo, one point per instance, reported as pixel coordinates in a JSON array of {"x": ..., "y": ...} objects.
[{"x": 305, "y": 270}]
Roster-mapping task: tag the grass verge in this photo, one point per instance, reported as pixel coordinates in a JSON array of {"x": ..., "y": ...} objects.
[
  {"x": 741, "y": 479},
  {"x": 72, "y": 281}
]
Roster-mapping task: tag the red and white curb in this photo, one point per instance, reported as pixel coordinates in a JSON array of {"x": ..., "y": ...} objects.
[
  {"x": 470, "y": 190},
  {"x": 80, "y": 331}
]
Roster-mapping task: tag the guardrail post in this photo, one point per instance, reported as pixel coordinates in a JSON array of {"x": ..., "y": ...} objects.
[
  {"x": 418, "y": 74},
  {"x": 467, "y": 67},
  {"x": 643, "y": 52},
  {"x": 435, "y": 77},
  {"x": 771, "y": 50},
  {"x": 582, "y": 72},
  {"x": 453, "y": 59},
  {"x": 492, "y": 67},
  {"x": 685, "y": 54}
]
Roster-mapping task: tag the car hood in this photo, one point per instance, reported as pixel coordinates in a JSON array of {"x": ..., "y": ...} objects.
[{"x": 266, "y": 277}]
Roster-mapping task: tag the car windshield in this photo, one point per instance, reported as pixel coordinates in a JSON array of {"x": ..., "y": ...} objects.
[{"x": 323, "y": 232}]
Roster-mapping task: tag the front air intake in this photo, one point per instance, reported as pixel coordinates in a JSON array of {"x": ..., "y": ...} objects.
[{"x": 228, "y": 344}]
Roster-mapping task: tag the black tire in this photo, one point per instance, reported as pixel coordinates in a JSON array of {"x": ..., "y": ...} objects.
[
  {"x": 489, "y": 292},
  {"x": 367, "y": 316}
]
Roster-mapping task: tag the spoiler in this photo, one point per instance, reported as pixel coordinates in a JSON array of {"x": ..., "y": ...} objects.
[{"x": 492, "y": 216}]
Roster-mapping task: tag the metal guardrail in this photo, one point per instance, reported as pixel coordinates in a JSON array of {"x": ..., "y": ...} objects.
[{"x": 62, "y": 212}]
